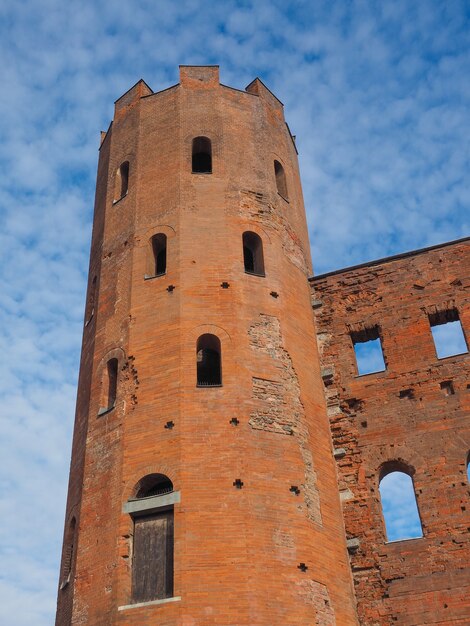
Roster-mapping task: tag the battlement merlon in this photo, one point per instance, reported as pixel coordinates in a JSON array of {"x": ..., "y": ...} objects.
[{"x": 199, "y": 76}]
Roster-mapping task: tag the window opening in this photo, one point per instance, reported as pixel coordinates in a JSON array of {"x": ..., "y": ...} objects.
[
  {"x": 208, "y": 352},
  {"x": 69, "y": 546},
  {"x": 154, "y": 485},
  {"x": 158, "y": 246},
  {"x": 202, "y": 155},
  {"x": 121, "y": 183},
  {"x": 109, "y": 386},
  {"x": 447, "y": 332},
  {"x": 253, "y": 253},
  {"x": 399, "y": 507},
  {"x": 281, "y": 183},
  {"x": 368, "y": 350}
]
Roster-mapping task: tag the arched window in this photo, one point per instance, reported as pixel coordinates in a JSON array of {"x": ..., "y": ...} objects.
[
  {"x": 202, "y": 155},
  {"x": 121, "y": 181},
  {"x": 399, "y": 507},
  {"x": 253, "y": 253},
  {"x": 157, "y": 256},
  {"x": 152, "y": 558},
  {"x": 154, "y": 485},
  {"x": 468, "y": 467},
  {"x": 280, "y": 180},
  {"x": 69, "y": 550},
  {"x": 109, "y": 386},
  {"x": 209, "y": 372}
]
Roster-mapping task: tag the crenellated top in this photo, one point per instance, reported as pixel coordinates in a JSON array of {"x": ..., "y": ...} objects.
[{"x": 202, "y": 77}]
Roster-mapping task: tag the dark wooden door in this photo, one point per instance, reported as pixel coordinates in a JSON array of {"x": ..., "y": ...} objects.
[{"x": 152, "y": 565}]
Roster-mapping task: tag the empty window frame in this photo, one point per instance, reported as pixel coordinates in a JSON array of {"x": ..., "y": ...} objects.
[
  {"x": 399, "y": 507},
  {"x": 368, "y": 350},
  {"x": 447, "y": 332},
  {"x": 153, "y": 545},
  {"x": 208, "y": 357},
  {"x": 156, "y": 265},
  {"x": 281, "y": 183},
  {"x": 202, "y": 155},
  {"x": 253, "y": 253},
  {"x": 121, "y": 181},
  {"x": 69, "y": 550},
  {"x": 109, "y": 386}
]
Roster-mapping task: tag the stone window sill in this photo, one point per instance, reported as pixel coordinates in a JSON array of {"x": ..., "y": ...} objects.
[{"x": 151, "y": 603}]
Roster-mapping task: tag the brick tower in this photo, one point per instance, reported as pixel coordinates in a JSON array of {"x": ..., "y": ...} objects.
[{"x": 202, "y": 484}]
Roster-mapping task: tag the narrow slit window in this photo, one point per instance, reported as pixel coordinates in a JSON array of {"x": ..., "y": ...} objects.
[
  {"x": 253, "y": 254},
  {"x": 121, "y": 183},
  {"x": 368, "y": 350},
  {"x": 69, "y": 550},
  {"x": 447, "y": 332},
  {"x": 157, "y": 255},
  {"x": 208, "y": 353},
  {"x": 90, "y": 305},
  {"x": 153, "y": 545},
  {"x": 399, "y": 507},
  {"x": 281, "y": 183},
  {"x": 109, "y": 386},
  {"x": 202, "y": 155}
]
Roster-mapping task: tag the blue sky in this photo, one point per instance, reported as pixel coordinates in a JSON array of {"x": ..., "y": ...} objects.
[{"x": 377, "y": 94}]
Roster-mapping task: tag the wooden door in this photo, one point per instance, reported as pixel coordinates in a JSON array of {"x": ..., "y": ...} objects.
[{"x": 152, "y": 564}]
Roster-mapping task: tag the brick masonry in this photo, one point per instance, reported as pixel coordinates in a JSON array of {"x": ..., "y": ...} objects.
[
  {"x": 237, "y": 551},
  {"x": 405, "y": 417}
]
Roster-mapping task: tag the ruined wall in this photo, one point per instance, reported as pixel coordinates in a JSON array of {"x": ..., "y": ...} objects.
[{"x": 416, "y": 414}]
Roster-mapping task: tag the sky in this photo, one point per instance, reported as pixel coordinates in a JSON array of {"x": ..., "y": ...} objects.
[{"x": 377, "y": 94}]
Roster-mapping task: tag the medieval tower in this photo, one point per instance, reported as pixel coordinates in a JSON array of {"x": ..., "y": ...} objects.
[{"x": 202, "y": 488}]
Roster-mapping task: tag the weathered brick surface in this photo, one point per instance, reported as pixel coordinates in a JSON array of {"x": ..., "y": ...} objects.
[
  {"x": 237, "y": 551},
  {"x": 426, "y": 580}
]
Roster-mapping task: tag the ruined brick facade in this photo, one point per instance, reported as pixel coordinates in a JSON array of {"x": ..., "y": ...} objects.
[
  {"x": 415, "y": 414},
  {"x": 259, "y": 535}
]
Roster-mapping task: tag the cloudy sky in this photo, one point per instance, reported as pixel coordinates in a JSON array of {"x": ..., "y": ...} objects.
[{"x": 377, "y": 94}]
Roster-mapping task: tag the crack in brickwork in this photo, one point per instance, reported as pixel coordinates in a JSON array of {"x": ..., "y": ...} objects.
[
  {"x": 130, "y": 381},
  {"x": 259, "y": 209},
  {"x": 316, "y": 594},
  {"x": 279, "y": 408}
]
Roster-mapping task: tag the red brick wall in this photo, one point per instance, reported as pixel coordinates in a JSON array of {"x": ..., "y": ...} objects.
[
  {"x": 237, "y": 551},
  {"x": 418, "y": 581}
]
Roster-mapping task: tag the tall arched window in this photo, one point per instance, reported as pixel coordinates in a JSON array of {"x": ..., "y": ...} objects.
[
  {"x": 69, "y": 551},
  {"x": 399, "y": 507},
  {"x": 253, "y": 253},
  {"x": 209, "y": 370},
  {"x": 156, "y": 265},
  {"x": 109, "y": 386},
  {"x": 152, "y": 558},
  {"x": 202, "y": 155},
  {"x": 468, "y": 467},
  {"x": 281, "y": 183},
  {"x": 121, "y": 181}
]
